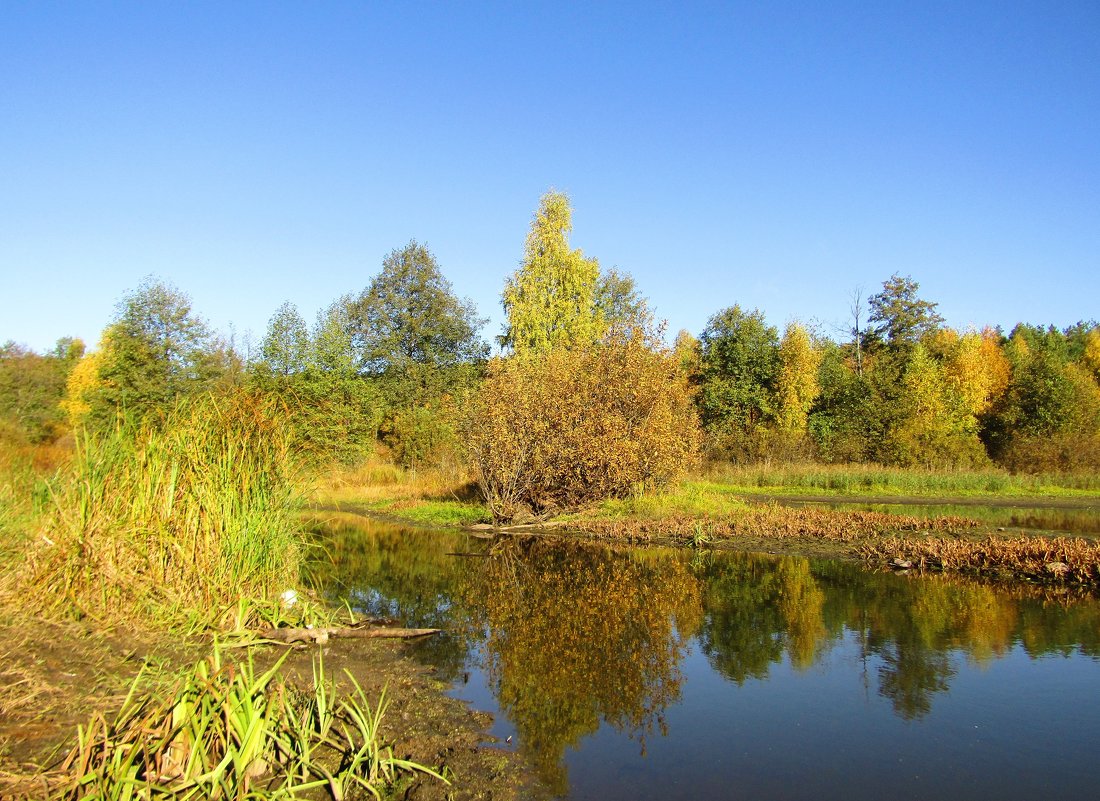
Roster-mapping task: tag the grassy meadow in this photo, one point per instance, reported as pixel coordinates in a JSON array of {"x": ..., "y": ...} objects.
[{"x": 875, "y": 480}]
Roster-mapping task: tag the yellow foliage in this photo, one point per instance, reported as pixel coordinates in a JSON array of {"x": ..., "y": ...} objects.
[
  {"x": 977, "y": 369},
  {"x": 1091, "y": 357},
  {"x": 798, "y": 385},
  {"x": 551, "y": 299},
  {"x": 554, "y": 430},
  {"x": 83, "y": 380}
]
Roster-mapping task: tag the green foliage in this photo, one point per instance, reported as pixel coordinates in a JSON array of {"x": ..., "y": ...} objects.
[
  {"x": 312, "y": 376},
  {"x": 620, "y": 306},
  {"x": 936, "y": 428},
  {"x": 841, "y": 421},
  {"x": 902, "y": 318},
  {"x": 551, "y": 300},
  {"x": 32, "y": 387},
  {"x": 1049, "y": 417},
  {"x": 153, "y": 352},
  {"x": 173, "y": 523},
  {"x": 740, "y": 368},
  {"x": 410, "y": 314},
  {"x": 285, "y": 350},
  {"x": 435, "y": 513},
  {"x": 419, "y": 435},
  {"x": 421, "y": 346},
  {"x": 817, "y": 479},
  {"x": 901, "y": 410},
  {"x": 1048, "y": 341},
  {"x": 551, "y": 431},
  {"x": 225, "y": 731}
]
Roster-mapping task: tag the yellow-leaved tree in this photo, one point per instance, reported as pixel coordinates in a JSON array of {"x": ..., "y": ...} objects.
[
  {"x": 551, "y": 300},
  {"x": 976, "y": 368},
  {"x": 797, "y": 384},
  {"x": 936, "y": 429},
  {"x": 1090, "y": 359},
  {"x": 82, "y": 383}
]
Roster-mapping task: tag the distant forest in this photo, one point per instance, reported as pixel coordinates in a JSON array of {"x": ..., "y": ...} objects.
[{"x": 394, "y": 367}]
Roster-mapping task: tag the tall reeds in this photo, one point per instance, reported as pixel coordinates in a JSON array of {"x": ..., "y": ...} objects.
[{"x": 172, "y": 523}]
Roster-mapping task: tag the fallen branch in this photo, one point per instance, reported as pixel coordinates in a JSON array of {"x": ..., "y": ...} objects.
[{"x": 322, "y": 634}]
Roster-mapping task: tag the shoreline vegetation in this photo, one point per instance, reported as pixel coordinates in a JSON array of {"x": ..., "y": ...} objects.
[
  {"x": 704, "y": 513},
  {"x": 139, "y": 578}
]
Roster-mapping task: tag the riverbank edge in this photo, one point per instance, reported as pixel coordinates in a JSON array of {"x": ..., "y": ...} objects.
[
  {"x": 70, "y": 671},
  {"x": 933, "y": 544}
]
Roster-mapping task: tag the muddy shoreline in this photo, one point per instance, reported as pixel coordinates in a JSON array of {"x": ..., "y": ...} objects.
[{"x": 61, "y": 673}]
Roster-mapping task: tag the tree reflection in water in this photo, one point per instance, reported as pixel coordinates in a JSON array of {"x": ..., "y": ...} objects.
[
  {"x": 576, "y": 634},
  {"x": 386, "y": 571}
]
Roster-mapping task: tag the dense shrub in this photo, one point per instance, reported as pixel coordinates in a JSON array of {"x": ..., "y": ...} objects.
[
  {"x": 420, "y": 436},
  {"x": 553, "y": 431}
]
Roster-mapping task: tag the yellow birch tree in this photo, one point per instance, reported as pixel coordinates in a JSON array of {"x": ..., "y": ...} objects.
[
  {"x": 551, "y": 300},
  {"x": 797, "y": 386}
]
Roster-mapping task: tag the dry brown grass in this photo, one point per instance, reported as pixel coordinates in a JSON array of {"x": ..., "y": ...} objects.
[
  {"x": 772, "y": 521},
  {"x": 380, "y": 480},
  {"x": 1069, "y": 560}
]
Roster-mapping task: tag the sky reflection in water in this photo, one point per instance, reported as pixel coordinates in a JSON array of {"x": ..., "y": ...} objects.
[{"x": 652, "y": 673}]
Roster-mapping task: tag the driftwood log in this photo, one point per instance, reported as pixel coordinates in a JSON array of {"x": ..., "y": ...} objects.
[{"x": 323, "y": 634}]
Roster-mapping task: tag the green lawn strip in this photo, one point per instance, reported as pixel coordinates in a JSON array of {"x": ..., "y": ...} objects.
[
  {"x": 432, "y": 512},
  {"x": 933, "y": 487}
]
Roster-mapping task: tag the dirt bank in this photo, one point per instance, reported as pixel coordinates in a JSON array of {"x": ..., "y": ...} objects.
[{"x": 53, "y": 676}]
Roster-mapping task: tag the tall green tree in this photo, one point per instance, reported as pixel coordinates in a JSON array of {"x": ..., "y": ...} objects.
[
  {"x": 410, "y": 315},
  {"x": 899, "y": 316},
  {"x": 421, "y": 346},
  {"x": 1049, "y": 419},
  {"x": 285, "y": 347},
  {"x": 155, "y": 350},
  {"x": 740, "y": 367},
  {"x": 551, "y": 300},
  {"x": 841, "y": 420},
  {"x": 332, "y": 342},
  {"x": 620, "y": 305},
  {"x": 333, "y": 410}
]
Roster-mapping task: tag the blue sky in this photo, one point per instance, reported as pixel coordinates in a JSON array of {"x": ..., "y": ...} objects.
[{"x": 775, "y": 155}]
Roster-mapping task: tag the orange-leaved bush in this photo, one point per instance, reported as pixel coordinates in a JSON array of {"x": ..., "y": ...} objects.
[{"x": 555, "y": 430}]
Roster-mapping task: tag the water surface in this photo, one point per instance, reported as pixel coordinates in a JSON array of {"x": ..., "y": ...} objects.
[{"x": 667, "y": 674}]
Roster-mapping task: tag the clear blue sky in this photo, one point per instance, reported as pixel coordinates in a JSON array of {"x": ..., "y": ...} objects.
[{"x": 775, "y": 155}]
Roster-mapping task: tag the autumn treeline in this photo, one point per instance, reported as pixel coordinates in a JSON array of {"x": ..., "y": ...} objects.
[
  {"x": 402, "y": 366},
  {"x": 904, "y": 390}
]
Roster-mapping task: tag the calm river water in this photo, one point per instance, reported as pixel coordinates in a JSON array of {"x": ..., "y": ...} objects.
[{"x": 626, "y": 673}]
